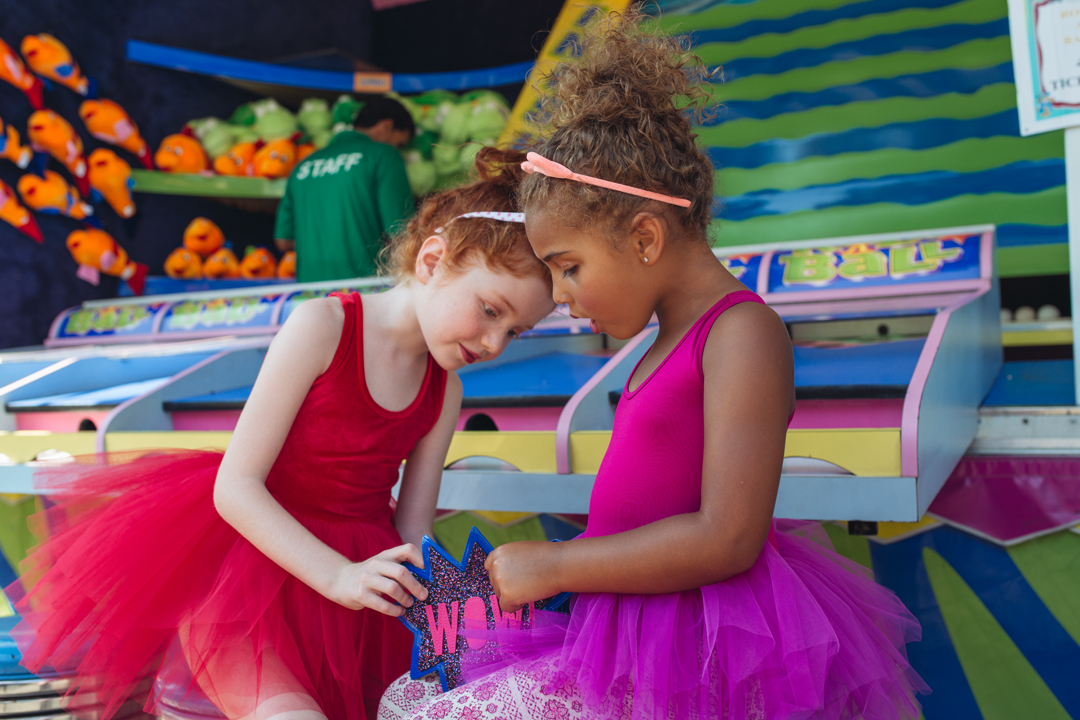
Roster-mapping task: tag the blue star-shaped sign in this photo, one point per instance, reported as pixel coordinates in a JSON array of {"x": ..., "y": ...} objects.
[{"x": 458, "y": 592}]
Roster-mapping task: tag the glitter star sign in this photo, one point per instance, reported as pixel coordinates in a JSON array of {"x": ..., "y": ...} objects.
[{"x": 460, "y": 594}]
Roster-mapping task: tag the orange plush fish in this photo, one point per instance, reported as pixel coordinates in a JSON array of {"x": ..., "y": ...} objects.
[
  {"x": 51, "y": 194},
  {"x": 95, "y": 249},
  {"x": 203, "y": 237},
  {"x": 181, "y": 153},
  {"x": 13, "y": 71},
  {"x": 302, "y": 151},
  {"x": 258, "y": 263},
  {"x": 110, "y": 178},
  {"x": 10, "y": 147},
  {"x": 222, "y": 264},
  {"x": 53, "y": 134},
  {"x": 287, "y": 267},
  {"x": 50, "y": 58},
  {"x": 182, "y": 264},
  {"x": 275, "y": 159},
  {"x": 109, "y": 123},
  {"x": 12, "y": 212},
  {"x": 237, "y": 161}
]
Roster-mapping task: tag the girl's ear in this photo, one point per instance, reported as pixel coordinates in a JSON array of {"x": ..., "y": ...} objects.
[
  {"x": 431, "y": 254},
  {"x": 648, "y": 233}
]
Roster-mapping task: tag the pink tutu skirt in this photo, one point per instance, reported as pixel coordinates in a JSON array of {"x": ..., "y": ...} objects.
[
  {"x": 137, "y": 560},
  {"x": 805, "y": 633}
]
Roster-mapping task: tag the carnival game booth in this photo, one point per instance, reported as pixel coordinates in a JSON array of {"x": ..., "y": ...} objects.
[{"x": 897, "y": 341}]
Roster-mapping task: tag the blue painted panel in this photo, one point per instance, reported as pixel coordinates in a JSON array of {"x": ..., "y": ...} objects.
[
  {"x": 12, "y": 371},
  {"x": 811, "y": 18},
  {"x": 901, "y": 263},
  {"x": 886, "y": 363},
  {"x": 234, "y": 395},
  {"x": 552, "y": 374},
  {"x": 219, "y": 66},
  {"x": 900, "y": 568},
  {"x": 1033, "y": 382},
  {"x": 921, "y": 85},
  {"x": 1017, "y": 235},
  {"x": 164, "y": 285},
  {"x": 918, "y": 135},
  {"x": 917, "y": 40},
  {"x": 993, "y": 576},
  {"x": 103, "y": 397},
  {"x": 916, "y": 189}
]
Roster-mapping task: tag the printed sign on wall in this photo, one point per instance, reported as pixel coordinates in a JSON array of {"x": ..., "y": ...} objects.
[{"x": 1046, "y": 63}]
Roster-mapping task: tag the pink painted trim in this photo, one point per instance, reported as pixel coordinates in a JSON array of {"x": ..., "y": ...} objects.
[
  {"x": 55, "y": 327},
  {"x": 900, "y": 302},
  {"x": 909, "y": 425},
  {"x": 162, "y": 337},
  {"x": 986, "y": 255},
  {"x": 103, "y": 428},
  {"x": 159, "y": 318},
  {"x": 279, "y": 307},
  {"x": 878, "y": 291},
  {"x": 562, "y": 430},
  {"x": 844, "y": 414},
  {"x": 763, "y": 274}
]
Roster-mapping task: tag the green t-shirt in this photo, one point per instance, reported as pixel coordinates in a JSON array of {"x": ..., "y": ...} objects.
[{"x": 340, "y": 203}]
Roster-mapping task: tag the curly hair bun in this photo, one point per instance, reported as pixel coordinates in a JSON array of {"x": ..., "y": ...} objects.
[{"x": 621, "y": 110}]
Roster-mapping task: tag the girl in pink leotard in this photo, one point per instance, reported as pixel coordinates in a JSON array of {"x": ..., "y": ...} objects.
[{"x": 691, "y": 601}]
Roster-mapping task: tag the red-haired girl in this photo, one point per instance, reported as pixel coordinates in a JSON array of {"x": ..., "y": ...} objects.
[{"x": 274, "y": 570}]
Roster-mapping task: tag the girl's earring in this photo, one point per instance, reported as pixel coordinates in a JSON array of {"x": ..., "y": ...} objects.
[{"x": 646, "y": 260}]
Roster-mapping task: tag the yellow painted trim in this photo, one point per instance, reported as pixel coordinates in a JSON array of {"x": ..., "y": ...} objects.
[
  {"x": 182, "y": 440},
  {"x": 23, "y": 445},
  {"x": 528, "y": 451},
  {"x": 502, "y": 518},
  {"x": 587, "y": 448},
  {"x": 864, "y": 452},
  {"x": 1025, "y": 338},
  {"x": 873, "y": 452}
]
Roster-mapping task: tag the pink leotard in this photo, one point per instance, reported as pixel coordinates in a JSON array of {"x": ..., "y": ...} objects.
[{"x": 664, "y": 414}]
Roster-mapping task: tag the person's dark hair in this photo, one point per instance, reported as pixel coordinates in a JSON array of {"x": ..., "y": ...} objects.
[
  {"x": 380, "y": 108},
  {"x": 497, "y": 244},
  {"x": 621, "y": 110}
]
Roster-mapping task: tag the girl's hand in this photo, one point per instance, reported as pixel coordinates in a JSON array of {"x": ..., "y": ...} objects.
[
  {"x": 521, "y": 572},
  {"x": 368, "y": 584}
]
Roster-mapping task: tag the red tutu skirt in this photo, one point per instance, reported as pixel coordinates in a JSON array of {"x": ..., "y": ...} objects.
[
  {"x": 804, "y": 633},
  {"x": 137, "y": 560}
]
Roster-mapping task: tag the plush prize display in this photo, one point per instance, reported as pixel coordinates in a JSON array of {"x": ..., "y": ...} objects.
[
  {"x": 203, "y": 237},
  {"x": 316, "y": 120},
  {"x": 13, "y": 213},
  {"x": 287, "y": 266},
  {"x": 110, "y": 180},
  {"x": 13, "y": 71},
  {"x": 258, "y": 262},
  {"x": 109, "y": 123},
  {"x": 50, "y": 58},
  {"x": 51, "y": 194},
  {"x": 96, "y": 251},
  {"x": 10, "y": 147},
  {"x": 48, "y": 132},
  {"x": 460, "y": 596},
  {"x": 182, "y": 264},
  {"x": 222, "y": 264},
  {"x": 237, "y": 161},
  {"x": 181, "y": 153},
  {"x": 272, "y": 121},
  {"x": 275, "y": 159}
]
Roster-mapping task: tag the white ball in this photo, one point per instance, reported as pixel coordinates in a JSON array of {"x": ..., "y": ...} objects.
[
  {"x": 1049, "y": 312},
  {"x": 1006, "y": 316},
  {"x": 1025, "y": 313}
]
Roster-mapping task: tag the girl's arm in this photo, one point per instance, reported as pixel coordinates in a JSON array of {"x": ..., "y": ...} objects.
[
  {"x": 302, "y": 350},
  {"x": 749, "y": 394},
  {"x": 420, "y": 481}
]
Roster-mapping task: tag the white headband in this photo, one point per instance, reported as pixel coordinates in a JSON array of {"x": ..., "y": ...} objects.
[{"x": 504, "y": 216}]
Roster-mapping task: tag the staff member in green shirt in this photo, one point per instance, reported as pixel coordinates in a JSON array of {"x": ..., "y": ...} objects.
[{"x": 342, "y": 201}]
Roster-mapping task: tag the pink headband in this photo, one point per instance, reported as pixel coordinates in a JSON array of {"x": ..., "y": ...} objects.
[{"x": 539, "y": 163}]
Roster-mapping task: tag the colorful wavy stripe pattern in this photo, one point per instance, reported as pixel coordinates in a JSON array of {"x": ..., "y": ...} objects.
[{"x": 841, "y": 117}]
